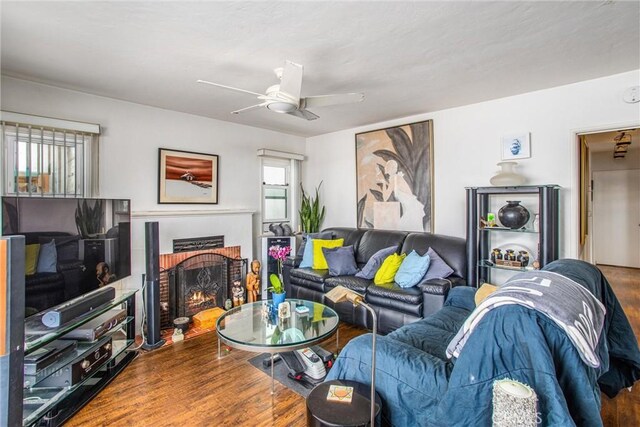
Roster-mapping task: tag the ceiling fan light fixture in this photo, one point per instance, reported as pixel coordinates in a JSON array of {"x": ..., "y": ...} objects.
[{"x": 281, "y": 107}]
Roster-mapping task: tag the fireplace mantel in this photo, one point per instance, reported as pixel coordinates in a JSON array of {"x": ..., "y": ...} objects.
[{"x": 190, "y": 212}]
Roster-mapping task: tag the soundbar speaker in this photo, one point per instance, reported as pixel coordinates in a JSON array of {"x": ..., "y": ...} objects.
[
  {"x": 152, "y": 285},
  {"x": 65, "y": 312}
]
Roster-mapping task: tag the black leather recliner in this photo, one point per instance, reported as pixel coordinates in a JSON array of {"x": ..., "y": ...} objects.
[{"x": 395, "y": 306}]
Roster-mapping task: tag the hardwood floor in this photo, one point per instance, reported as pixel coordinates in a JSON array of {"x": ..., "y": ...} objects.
[
  {"x": 624, "y": 409},
  {"x": 186, "y": 385}
]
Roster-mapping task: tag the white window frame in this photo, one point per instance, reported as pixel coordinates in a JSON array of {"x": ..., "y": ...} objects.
[
  {"x": 286, "y": 165},
  {"x": 17, "y": 127},
  {"x": 270, "y": 157}
]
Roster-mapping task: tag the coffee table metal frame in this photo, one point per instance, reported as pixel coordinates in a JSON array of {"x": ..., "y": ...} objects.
[{"x": 272, "y": 350}]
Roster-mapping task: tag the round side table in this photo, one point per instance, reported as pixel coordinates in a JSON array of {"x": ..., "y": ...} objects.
[{"x": 322, "y": 412}]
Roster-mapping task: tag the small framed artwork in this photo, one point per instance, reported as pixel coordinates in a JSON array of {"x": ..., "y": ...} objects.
[
  {"x": 187, "y": 177},
  {"x": 516, "y": 146}
]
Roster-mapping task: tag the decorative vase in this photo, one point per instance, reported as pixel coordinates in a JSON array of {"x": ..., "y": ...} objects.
[
  {"x": 507, "y": 176},
  {"x": 513, "y": 215}
]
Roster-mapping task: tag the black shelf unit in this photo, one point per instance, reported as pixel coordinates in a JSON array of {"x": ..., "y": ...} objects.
[
  {"x": 51, "y": 406},
  {"x": 479, "y": 239}
]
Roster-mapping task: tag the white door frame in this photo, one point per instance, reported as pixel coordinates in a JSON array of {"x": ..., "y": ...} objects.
[{"x": 574, "y": 141}]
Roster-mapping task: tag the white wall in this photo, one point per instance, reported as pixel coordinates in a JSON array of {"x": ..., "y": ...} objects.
[
  {"x": 604, "y": 161},
  {"x": 132, "y": 134},
  {"x": 466, "y": 149}
]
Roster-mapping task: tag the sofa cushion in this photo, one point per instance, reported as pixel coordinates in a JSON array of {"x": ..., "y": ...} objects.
[
  {"x": 388, "y": 269},
  {"x": 374, "y": 240},
  {"x": 371, "y": 267},
  {"x": 31, "y": 258},
  {"x": 67, "y": 247},
  {"x": 48, "y": 258},
  {"x": 319, "y": 261},
  {"x": 432, "y": 334},
  {"x": 412, "y": 269},
  {"x": 438, "y": 268},
  {"x": 306, "y": 248},
  {"x": 309, "y": 278},
  {"x": 341, "y": 261},
  {"x": 393, "y": 297},
  {"x": 354, "y": 283},
  {"x": 451, "y": 249}
]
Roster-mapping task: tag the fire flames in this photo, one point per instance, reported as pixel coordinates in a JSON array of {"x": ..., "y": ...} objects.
[{"x": 198, "y": 298}]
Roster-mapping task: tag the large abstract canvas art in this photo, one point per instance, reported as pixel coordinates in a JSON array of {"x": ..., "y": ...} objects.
[
  {"x": 186, "y": 177},
  {"x": 394, "y": 168}
]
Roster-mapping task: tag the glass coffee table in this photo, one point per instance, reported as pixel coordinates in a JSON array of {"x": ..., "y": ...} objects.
[{"x": 256, "y": 327}]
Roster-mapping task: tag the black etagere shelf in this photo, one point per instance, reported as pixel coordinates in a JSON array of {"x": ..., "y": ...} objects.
[{"x": 479, "y": 266}]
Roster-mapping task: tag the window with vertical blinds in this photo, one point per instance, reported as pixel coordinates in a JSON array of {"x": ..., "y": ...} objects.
[{"x": 47, "y": 161}]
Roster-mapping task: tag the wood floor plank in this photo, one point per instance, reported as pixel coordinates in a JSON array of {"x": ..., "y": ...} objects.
[{"x": 186, "y": 385}]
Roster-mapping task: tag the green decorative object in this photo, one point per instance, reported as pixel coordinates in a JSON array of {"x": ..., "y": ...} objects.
[
  {"x": 276, "y": 284},
  {"x": 311, "y": 213}
]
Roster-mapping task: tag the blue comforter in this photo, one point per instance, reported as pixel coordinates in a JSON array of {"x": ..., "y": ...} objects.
[{"x": 419, "y": 386}]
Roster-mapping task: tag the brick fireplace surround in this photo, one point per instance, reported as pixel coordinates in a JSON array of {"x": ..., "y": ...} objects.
[{"x": 169, "y": 261}]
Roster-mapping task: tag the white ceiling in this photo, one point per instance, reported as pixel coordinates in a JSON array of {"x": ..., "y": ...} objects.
[{"x": 407, "y": 57}]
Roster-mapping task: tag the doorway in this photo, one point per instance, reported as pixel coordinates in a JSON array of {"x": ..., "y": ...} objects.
[{"x": 610, "y": 197}]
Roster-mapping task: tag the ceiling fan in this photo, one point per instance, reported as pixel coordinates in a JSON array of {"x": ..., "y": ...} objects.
[{"x": 285, "y": 97}]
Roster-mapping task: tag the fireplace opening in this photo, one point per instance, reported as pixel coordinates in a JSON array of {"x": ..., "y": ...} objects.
[{"x": 200, "y": 282}]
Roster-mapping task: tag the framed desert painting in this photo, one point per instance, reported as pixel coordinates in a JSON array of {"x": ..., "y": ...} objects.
[
  {"x": 394, "y": 169},
  {"x": 186, "y": 177}
]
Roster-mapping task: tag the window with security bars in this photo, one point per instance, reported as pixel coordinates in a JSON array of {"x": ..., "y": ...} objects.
[{"x": 50, "y": 162}]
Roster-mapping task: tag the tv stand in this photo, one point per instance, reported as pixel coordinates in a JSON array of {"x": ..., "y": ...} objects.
[{"x": 52, "y": 406}]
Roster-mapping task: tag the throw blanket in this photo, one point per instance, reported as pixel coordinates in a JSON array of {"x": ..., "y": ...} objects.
[{"x": 572, "y": 307}]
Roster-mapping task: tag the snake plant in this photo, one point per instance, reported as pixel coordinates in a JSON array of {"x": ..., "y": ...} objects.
[{"x": 311, "y": 213}]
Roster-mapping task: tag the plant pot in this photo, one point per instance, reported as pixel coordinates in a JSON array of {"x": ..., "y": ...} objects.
[
  {"x": 277, "y": 299},
  {"x": 513, "y": 215}
]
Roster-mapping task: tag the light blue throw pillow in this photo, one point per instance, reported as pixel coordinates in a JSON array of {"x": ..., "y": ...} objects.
[
  {"x": 412, "y": 269},
  {"x": 307, "y": 247},
  {"x": 373, "y": 265},
  {"x": 48, "y": 258}
]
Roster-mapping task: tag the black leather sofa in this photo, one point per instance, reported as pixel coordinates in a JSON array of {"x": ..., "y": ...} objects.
[
  {"x": 394, "y": 306},
  {"x": 44, "y": 290}
]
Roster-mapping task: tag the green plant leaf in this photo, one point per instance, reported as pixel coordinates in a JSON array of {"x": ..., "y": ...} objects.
[{"x": 276, "y": 284}]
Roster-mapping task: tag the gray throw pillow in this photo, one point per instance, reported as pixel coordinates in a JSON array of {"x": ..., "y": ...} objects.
[
  {"x": 341, "y": 261},
  {"x": 373, "y": 265},
  {"x": 438, "y": 269},
  {"x": 48, "y": 258}
]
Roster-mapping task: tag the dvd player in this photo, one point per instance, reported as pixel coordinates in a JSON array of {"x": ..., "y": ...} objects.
[{"x": 96, "y": 328}]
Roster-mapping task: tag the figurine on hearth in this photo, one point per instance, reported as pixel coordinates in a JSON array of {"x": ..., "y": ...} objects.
[
  {"x": 237, "y": 291},
  {"x": 253, "y": 281}
]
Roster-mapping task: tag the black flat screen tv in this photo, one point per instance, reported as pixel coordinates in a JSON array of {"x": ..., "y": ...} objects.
[{"x": 73, "y": 246}]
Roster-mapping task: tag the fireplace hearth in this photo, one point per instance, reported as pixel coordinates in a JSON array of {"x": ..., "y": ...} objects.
[{"x": 199, "y": 282}]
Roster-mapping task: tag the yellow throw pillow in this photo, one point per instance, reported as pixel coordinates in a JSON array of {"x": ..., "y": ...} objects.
[
  {"x": 483, "y": 292},
  {"x": 31, "y": 253},
  {"x": 319, "y": 261},
  {"x": 387, "y": 271}
]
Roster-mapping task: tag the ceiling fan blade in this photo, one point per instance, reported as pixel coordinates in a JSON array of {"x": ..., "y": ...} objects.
[
  {"x": 304, "y": 114},
  {"x": 229, "y": 87},
  {"x": 291, "y": 82},
  {"x": 326, "y": 100},
  {"x": 253, "y": 107}
]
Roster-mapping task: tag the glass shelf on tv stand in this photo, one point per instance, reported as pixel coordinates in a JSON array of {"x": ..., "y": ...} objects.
[
  {"x": 37, "y": 401},
  {"x": 53, "y": 368},
  {"x": 36, "y": 334}
]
